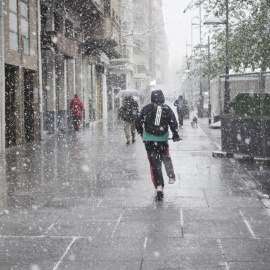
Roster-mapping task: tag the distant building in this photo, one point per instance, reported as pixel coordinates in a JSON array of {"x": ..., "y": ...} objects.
[
  {"x": 145, "y": 56},
  {"x": 78, "y": 39},
  {"x": 54, "y": 49}
]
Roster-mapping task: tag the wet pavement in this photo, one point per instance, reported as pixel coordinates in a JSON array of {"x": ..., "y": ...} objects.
[{"x": 86, "y": 201}]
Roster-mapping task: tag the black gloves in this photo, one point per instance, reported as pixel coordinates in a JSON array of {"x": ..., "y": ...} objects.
[{"x": 176, "y": 137}]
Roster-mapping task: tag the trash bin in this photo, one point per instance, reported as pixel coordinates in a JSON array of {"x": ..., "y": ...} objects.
[
  {"x": 246, "y": 131},
  {"x": 248, "y": 104}
]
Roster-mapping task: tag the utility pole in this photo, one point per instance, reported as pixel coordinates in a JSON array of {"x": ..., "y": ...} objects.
[
  {"x": 200, "y": 101},
  {"x": 209, "y": 96},
  {"x": 227, "y": 97},
  {"x": 191, "y": 63}
]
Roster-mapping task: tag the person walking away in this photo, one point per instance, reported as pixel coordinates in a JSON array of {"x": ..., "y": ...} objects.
[
  {"x": 128, "y": 112},
  {"x": 180, "y": 107},
  {"x": 76, "y": 105},
  {"x": 153, "y": 124}
]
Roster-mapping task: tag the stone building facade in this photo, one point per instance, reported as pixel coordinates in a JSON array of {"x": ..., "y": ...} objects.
[
  {"x": 52, "y": 50},
  {"x": 78, "y": 41},
  {"x": 21, "y": 113},
  {"x": 145, "y": 55}
]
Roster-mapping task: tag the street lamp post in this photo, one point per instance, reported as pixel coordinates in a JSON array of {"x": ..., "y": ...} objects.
[
  {"x": 216, "y": 20},
  {"x": 209, "y": 96},
  {"x": 192, "y": 24},
  {"x": 191, "y": 63},
  {"x": 200, "y": 46},
  {"x": 188, "y": 93},
  {"x": 201, "y": 101},
  {"x": 227, "y": 98}
]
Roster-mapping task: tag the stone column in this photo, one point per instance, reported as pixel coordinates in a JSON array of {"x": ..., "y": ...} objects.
[
  {"x": 105, "y": 94},
  {"x": 50, "y": 89},
  {"x": 70, "y": 71},
  {"x": 62, "y": 92},
  {"x": 79, "y": 89},
  {"x": 87, "y": 74},
  {"x": 36, "y": 106},
  {"x": 50, "y": 76}
]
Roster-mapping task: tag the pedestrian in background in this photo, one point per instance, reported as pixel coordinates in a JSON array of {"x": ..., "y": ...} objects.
[
  {"x": 152, "y": 124},
  {"x": 128, "y": 112},
  {"x": 76, "y": 105},
  {"x": 180, "y": 107}
]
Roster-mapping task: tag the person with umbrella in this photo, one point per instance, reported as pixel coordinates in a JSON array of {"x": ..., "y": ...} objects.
[{"x": 128, "y": 112}]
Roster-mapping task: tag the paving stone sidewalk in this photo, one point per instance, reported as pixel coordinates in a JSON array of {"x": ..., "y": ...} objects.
[{"x": 86, "y": 201}]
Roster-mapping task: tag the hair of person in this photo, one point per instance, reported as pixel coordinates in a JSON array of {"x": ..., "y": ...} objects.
[{"x": 76, "y": 95}]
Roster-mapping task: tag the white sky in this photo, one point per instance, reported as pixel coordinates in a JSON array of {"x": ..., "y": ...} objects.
[
  {"x": 178, "y": 26},
  {"x": 178, "y": 29}
]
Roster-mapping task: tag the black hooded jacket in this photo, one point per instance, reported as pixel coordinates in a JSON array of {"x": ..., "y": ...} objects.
[{"x": 153, "y": 124}]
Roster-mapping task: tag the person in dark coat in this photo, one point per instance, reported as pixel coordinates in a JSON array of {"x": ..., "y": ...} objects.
[
  {"x": 180, "y": 105},
  {"x": 152, "y": 124},
  {"x": 128, "y": 112},
  {"x": 76, "y": 105}
]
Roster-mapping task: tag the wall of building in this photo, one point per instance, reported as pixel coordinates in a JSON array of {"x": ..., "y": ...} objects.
[
  {"x": 2, "y": 80},
  {"x": 21, "y": 63},
  {"x": 19, "y": 58},
  {"x": 82, "y": 68}
]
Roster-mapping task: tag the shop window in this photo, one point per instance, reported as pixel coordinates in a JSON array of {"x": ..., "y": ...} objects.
[
  {"x": 69, "y": 29},
  {"x": 25, "y": 26},
  {"x": 13, "y": 25},
  {"x": 57, "y": 22}
]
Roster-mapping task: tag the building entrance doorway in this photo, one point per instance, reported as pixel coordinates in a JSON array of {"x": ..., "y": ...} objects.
[{"x": 10, "y": 116}]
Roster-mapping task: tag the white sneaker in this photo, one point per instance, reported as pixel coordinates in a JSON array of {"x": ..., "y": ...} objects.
[
  {"x": 159, "y": 189},
  {"x": 171, "y": 180},
  {"x": 159, "y": 193}
]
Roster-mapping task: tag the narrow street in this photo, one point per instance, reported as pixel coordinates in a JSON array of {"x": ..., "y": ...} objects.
[{"x": 85, "y": 200}]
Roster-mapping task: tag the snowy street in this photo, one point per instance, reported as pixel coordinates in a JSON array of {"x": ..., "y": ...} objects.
[
  {"x": 86, "y": 201},
  {"x": 77, "y": 191}
]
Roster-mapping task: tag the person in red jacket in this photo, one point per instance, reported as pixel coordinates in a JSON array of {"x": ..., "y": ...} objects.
[{"x": 76, "y": 106}]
